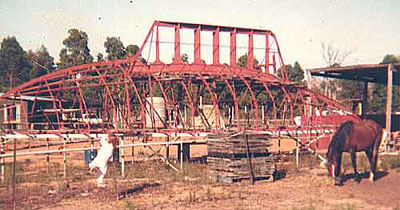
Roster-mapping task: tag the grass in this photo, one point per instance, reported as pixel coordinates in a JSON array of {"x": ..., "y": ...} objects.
[
  {"x": 155, "y": 170},
  {"x": 346, "y": 206},
  {"x": 390, "y": 162},
  {"x": 130, "y": 205}
]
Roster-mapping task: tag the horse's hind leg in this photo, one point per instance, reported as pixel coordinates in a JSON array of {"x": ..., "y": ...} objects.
[{"x": 354, "y": 164}]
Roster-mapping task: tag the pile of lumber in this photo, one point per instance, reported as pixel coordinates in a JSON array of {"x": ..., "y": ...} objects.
[{"x": 234, "y": 157}]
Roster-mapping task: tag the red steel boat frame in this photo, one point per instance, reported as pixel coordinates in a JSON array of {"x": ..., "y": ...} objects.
[{"x": 257, "y": 98}]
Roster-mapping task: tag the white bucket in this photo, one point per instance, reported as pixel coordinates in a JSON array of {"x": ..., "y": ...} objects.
[{"x": 156, "y": 113}]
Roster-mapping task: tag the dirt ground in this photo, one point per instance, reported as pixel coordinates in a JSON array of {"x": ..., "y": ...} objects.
[
  {"x": 153, "y": 185},
  {"x": 156, "y": 187}
]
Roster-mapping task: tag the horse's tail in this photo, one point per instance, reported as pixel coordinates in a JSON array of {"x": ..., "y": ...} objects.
[{"x": 340, "y": 135}]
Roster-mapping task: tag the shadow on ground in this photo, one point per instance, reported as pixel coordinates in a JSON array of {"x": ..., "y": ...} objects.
[{"x": 140, "y": 188}]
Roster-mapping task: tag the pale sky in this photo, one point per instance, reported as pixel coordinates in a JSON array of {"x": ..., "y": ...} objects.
[{"x": 369, "y": 27}]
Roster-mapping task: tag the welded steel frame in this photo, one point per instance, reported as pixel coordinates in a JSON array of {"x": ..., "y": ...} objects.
[{"x": 252, "y": 98}]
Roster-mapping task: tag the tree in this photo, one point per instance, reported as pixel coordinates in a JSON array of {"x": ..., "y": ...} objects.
[
  {"x": 296, "y": 73},
  {"x": 76, "y": 50},
  {"x": 100, "y": 57},
  {"x": 390, "y": 59},
  {"x": 378, "y": 102},
  {"x": 41, "y": 61},
  {"x": 131, "y": 50},
  {"x": 115, "y": 48},
  {"x": 242, "y": 61},
  {"x": 185, "y": 58},
  {"x": 334, "y": 57},
  {"x": 14, "y": 64}
]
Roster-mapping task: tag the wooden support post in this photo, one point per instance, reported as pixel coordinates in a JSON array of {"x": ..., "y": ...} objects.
[
  {"x": 180, "y": 152},
  {"x": 365, "y": 100},
  {"x": 133, "y": 153},
  {"x": 48, "y": 156},
  {"x": 122, "y": 155},
  {"x": 2, "y": 161},
  {"x": 249, "y": 159},
  {"x": 65, "y": 161},
  {"x": 389, "y": 100},
  {"x": 297, "y": 152},
  {"x": 167, "y": 149},
  {"x": 14, "y": 176},
  {"x": 184, "y": 152}
]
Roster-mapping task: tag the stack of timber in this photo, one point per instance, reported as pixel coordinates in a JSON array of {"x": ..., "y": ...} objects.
[{"x": 228, "y": 158}]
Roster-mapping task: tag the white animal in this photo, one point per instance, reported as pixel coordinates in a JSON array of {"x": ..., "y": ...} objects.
[{"x": 104, "y": 155}]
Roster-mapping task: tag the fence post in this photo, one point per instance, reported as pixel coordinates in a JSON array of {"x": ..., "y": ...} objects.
[
  {"x": 48, "y": 156},
  {"x": 122, "y": 160},
  {"x": 65, "y": 160},
  {"x": 2, "y": 161},
  {"x": 14, "y": 175}
]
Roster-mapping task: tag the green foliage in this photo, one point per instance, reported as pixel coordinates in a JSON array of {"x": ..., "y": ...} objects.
[
  {"x": 14, "y": 64},
  {"x": 114, "y": 48},
  {"x": 41, "y": 62},
  {"x": 349, "y": 89},
  {"x": 131, "y": 50},
  {"x": 390, "y": 59},
  {"x": 100, "y": 57},
  {"x": 378, "y": 102},
  {"x": 76, "y": 49},
  {"x": 295, "y": 73},
  {"x": 185, "y": 58},
  {"x": 242, "y": 61}
]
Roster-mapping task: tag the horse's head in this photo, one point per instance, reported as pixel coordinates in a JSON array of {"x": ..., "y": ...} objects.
[{"x": 332, "y": 166}]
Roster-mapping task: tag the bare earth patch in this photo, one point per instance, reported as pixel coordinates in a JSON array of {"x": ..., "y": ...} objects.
[{"x": 305, "y": 189}]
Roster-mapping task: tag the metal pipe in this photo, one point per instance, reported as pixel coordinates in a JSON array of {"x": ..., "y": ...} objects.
[{"x": 86, "y": 148}]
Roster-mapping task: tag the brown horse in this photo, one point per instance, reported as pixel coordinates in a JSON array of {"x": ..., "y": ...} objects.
[{"x": 353, "y": 137}]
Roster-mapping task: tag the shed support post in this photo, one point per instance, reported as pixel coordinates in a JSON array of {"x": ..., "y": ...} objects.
[
  {"x": 389, "y": 100},
  {"x": 365, "y": 100}
]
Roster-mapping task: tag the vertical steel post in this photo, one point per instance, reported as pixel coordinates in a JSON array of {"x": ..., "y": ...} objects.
[
  {"x": 177, "y": 54},
  {"x": 274, "y": 64},
  {"x": 197, "y": 47},
  {"x": 267, "y": 53},
  {"x": 250, "y": 57},
  {"x": 157, "y": 45},
  {"x": 233, "y": 48},
  {"x": 216, "y": 46}
]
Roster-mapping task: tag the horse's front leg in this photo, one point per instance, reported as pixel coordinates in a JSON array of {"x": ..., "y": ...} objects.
[{"x": 357, "y": 175}]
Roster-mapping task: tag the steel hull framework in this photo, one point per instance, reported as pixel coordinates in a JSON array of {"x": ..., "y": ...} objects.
[{"x": 119, "y": 96}]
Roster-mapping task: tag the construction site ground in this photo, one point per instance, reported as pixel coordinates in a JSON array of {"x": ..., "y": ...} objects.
[{"x": 153, "y": 185}]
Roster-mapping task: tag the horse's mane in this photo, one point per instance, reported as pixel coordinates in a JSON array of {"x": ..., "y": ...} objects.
[{"x": 340, "y": 135}]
